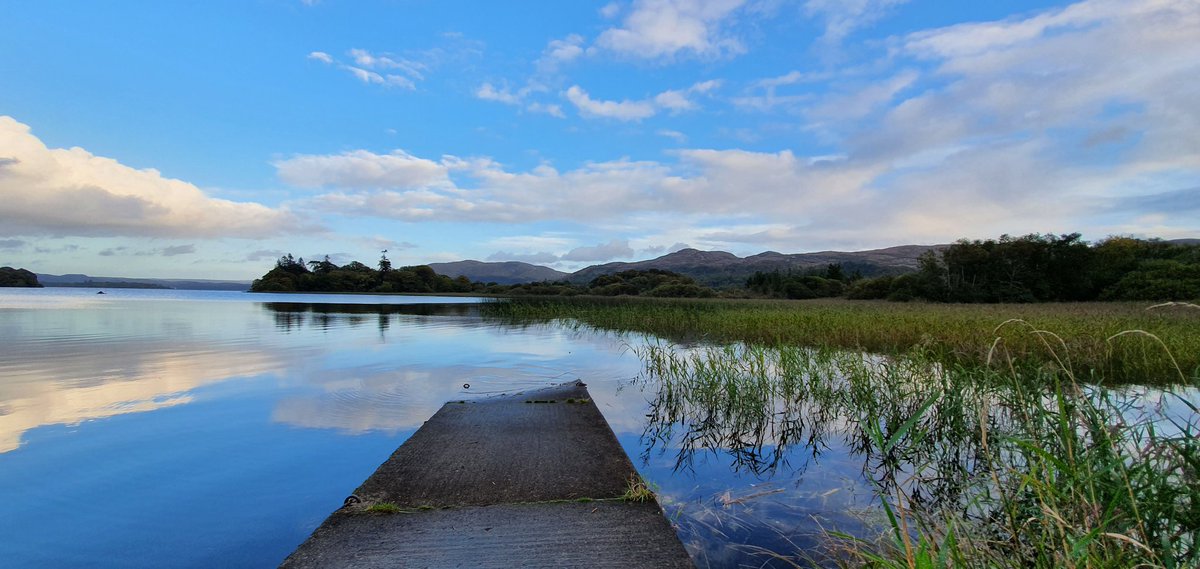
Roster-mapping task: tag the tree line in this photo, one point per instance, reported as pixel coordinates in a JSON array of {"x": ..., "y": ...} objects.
[
  {"x": 1029, "y": 268},
  {"x": 294, "y": 275},
  {"x": 1046, "y": 268}
]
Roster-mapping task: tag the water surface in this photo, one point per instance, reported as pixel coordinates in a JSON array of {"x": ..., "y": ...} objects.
[{"x": 198, "y": 429}]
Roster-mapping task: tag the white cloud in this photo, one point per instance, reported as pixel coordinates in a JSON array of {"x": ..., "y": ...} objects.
[
  {"x": 364, "y": 75},
  {"x": 848, "y": 103},
  {"x": 621, "y": 110},
  {"x": 488, "y": 92},
  {"x": 362, "y": 169},
  {"x": 674, "y": 101},
  {"x": 363, "y": 58},
  {"x": 1008, "y": 134},
  {"x": 659, "y": 250},
  {"x": 681, "y": 100},
  {"x": 665, "y": 29},
  {"x": 388, "y": 80},
  {"x": 549, "y": 109},
  {"x": 60, "y": 191},
  {"x": 701, "y": 182},
  {"x": 843, "y": 17},
  {"x": 561, "y": 51},
  {"x": 391, "y": 70},
  {"x": 764, "y": 95},
  {"x": 1082, "y": 118},
  {"x": 321, "y": 56},
  {"x": 610, "y": 10},
  {"x": 675, "y": 135},
  {"x": 615, "y": 249}
]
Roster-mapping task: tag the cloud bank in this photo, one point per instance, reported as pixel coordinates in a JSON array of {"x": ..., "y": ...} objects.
[{"x": 72, "y": 192}]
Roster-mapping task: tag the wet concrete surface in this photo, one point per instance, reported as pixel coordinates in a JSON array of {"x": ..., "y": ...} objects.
[{"x": 507, "y": 481}]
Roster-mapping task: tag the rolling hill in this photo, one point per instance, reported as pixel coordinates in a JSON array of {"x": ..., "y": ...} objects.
[
  {"x": 713, "y": 268},
  {"x": 507, "y": 272}
]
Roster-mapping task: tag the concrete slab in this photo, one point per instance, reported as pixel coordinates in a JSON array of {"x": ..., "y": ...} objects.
[
  {"x": 548, "y": 444},
  {"x": 496, "y": 483},
  {"x": 600, "y": 534}
]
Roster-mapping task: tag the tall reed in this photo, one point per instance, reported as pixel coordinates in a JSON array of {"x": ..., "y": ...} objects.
[
  {"x": 991, "y": 441},
  {"x": 952, "y": 334},
  {"x": 1011, "y": 465}
]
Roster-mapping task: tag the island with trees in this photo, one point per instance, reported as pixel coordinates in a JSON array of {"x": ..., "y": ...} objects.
[
  {"x": 295, "y": 275},
  {"x": 10, "y": 277}
]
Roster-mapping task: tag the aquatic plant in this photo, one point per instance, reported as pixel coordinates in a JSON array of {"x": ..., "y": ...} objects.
[
  {"x": 990, "y": 440},
  {"x": 1001, "y": 465}
]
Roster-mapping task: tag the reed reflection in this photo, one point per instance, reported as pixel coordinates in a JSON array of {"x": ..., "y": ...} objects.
[{"x": 984, "y": 446}]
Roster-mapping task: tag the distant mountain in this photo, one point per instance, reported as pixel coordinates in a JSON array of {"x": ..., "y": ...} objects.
[
  {"x": 719, "y": 268},
  {"x": 1184, "y": 241},
  {"x": 713, "y": 268},
  {"x": 711, "y": 265},
  {"x": 80, "y": 280},
  {"x": 507, "y": 272}
]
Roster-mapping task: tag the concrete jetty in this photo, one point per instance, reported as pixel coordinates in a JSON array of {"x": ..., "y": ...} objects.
[{"x": 533, "y": 479}]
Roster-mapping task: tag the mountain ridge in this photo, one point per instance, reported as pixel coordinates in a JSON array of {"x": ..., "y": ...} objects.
[
  {"x": 714, "y": 268},
  {"x": 79, "y": 279},
  {"x": 502, "y": 272}
]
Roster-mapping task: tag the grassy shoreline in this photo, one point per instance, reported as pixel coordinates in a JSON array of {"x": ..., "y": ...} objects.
[
  {"x": 1032, "y": 461},
  {"x": 1096, "y": 335}
]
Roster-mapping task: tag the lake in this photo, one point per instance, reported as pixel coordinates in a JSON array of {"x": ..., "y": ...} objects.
[{"x": 150, "y": 428}]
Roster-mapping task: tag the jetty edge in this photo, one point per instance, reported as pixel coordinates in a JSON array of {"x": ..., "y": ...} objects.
[{"x": 532, "y": 479}]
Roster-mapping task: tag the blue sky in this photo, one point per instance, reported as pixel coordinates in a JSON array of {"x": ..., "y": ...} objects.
[{"x": 203, "y": 140}]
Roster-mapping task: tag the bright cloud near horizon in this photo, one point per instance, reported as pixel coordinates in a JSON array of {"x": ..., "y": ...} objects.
[{"x": 204, "y": 140}]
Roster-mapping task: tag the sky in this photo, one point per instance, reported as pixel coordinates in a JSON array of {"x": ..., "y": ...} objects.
[{"x": 206, "y": 139}]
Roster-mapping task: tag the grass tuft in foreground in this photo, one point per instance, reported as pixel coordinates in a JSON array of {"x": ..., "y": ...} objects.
[
  {"x": 637, "y": 490},
  {"x": 384, "y": 508}
]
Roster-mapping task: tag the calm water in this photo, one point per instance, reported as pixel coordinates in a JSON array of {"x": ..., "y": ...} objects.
[{"x": 215, "y": 429}]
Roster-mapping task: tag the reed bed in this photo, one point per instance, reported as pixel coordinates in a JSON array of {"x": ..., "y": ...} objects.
[
  {"x": 995, "y": 436},
  {"x": 984, "y": 466},
  {"x": 1095, "y": 335}
]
